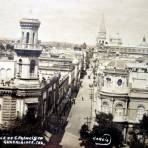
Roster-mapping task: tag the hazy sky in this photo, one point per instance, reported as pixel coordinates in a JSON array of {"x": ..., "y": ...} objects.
[{"x": 77, "y": 20}]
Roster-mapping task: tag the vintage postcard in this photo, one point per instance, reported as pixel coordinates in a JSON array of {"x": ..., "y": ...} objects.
[{"x": 73, "y": 74}]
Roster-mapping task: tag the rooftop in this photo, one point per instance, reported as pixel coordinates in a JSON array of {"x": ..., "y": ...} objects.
[
  {"x": 29, "y": 20},
  {"x": 137, "y": 65},
  {"x": 117, "y": 63}
]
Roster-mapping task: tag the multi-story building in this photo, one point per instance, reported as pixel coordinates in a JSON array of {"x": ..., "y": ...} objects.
[
  {"x": 22, "y": 91},
  {"x": 123, "y": 91},
  {"x": 65, "y": 62}
]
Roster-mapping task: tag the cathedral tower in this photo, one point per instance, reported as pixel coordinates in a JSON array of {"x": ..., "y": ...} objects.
[{"x": 101, "y": 39}]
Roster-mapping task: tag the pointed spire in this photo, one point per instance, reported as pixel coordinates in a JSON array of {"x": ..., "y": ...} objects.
[
  {"x": 102, "y": 25},
  {"x": 101, "y": 39}
]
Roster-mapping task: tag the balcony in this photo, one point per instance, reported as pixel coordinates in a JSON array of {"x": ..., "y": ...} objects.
[
  {"x": 27, "y": 46},
  {"x": 6, "y": 84}
]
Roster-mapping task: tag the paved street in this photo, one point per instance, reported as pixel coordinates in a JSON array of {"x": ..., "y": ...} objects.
[{"x": 80, "y": 110}]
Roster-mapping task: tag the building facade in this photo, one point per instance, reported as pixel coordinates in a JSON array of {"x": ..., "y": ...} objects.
[{"x": 24, "y": 88}]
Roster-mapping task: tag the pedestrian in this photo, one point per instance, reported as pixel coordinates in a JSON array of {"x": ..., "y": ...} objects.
[{"x": 82, "y": 98}]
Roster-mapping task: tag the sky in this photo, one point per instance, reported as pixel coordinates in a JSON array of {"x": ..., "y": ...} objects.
[{"x": 77, "y": 21}]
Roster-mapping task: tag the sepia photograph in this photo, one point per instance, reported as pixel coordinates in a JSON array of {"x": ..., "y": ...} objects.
[{"x": 74, "y": 74}]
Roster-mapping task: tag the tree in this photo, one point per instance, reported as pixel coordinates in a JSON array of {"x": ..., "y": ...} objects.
[
  {"x": 134, "y": 142},
  {"x": 143, "y": 128},
  {"x": 84, "y": 131},
  {"x": 104, "y": 125},
  {"x": 138, "y": 136},
  {"x": 144, "y": 124}
]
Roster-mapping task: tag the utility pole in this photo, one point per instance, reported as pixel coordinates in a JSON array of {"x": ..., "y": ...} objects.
[{"x": 91, "y": 98}]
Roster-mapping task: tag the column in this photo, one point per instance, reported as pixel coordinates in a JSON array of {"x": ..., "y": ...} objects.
[
  {"x": 30, "y": 39},
  {"x": 36, "y": 38},
  {"x": 24, "y": 39}
]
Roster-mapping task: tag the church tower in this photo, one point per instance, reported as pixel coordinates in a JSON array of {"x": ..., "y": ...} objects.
[
  {"x": 28, "y": 49},
  {"x": 29, "y": 30},
  {"x": 101, "y": 39}
]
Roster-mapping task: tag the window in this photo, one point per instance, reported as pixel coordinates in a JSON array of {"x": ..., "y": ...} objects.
[
  {"x": 8, "y": 74},
  {"x": 32, "y": 66},
  {"x": 119, "y": 82},
  {"x": 27, "y": 38},
  {"x": 105, "y": 107},
  {"x": 20, "y": 67},
  {"x": 3, "y": 74},
  {"x": 119, "y": 110},
  {"x": 140, "y": 112}
]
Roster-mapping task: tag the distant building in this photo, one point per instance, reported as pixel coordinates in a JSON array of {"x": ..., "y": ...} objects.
[{"x": 109, "y": 46}]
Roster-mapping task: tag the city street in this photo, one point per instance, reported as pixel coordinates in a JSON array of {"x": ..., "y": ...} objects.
[{"x": 78, "y": 115}]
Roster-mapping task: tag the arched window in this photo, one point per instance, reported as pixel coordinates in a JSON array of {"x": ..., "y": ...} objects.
[
  {"x": 105, "y": 107},
  {"x": 119, "y": 109},
  {"x": 3, "y": 74},
  {"x": 119, "y": 82},
  {"x": 108, "y": 80},
  {"x": 140, "y": 112},
  {"x": 27, "y": 38},
  {"x": 32, "y": 66},
  {"x": 8, "y": 74},
  {"x": 20, "y": 67}
]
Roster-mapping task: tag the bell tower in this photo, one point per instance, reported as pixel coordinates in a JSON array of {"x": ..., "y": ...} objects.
[
  {"x": 101, "y": 39},
  {"x": 29, "y": 31},
  {"x": 28, "y": 49}
]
